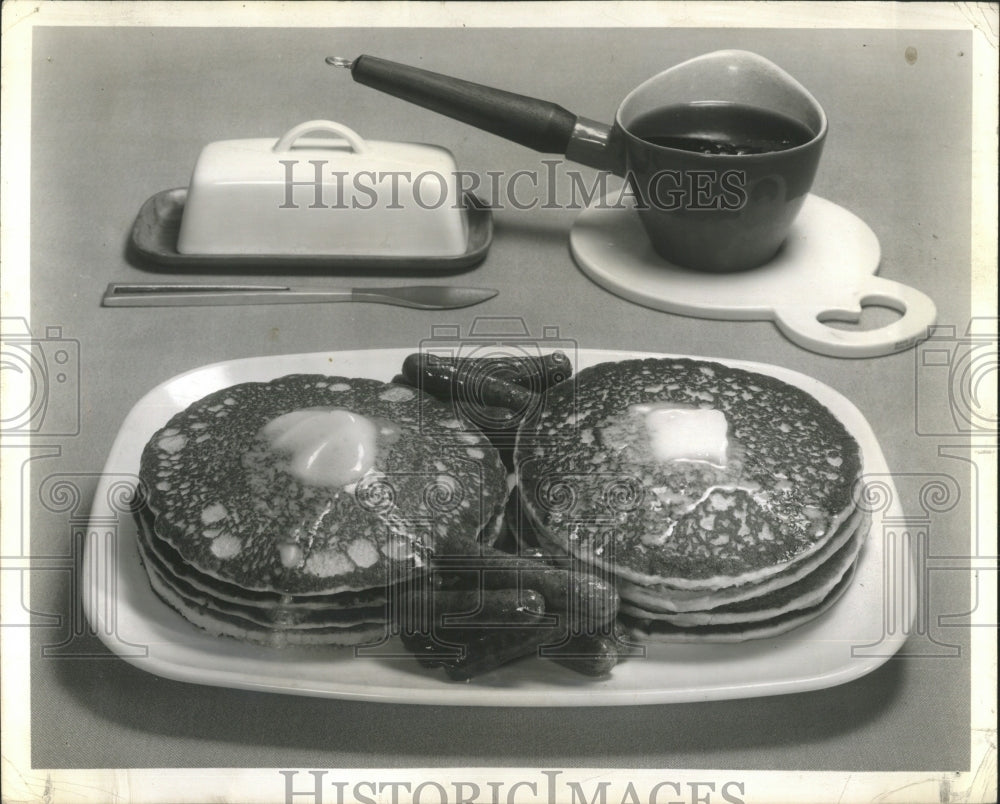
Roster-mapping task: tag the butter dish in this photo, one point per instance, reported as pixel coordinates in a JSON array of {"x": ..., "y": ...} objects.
[
  {"x": 153, "y": 242},
  {"x": 319, "y": 194}
]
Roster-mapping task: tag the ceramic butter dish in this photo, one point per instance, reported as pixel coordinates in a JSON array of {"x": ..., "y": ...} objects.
[{"x": 321, "y": 189}]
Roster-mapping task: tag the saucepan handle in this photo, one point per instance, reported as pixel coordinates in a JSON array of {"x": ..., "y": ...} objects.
[{"x": 536, "y": 124}]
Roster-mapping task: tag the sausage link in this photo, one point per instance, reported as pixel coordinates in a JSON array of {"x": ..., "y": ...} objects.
[
  {"x": 537, "y": 373},
  {"x": 438, "y": 378},
  {"x": 587, "y": 601},
  {"x": 440, "y": 620},
  {"x": 494, "y": 648},
  {"x": 590, "y": 654}
]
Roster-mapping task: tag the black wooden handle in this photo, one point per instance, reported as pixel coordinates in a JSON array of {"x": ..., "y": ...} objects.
[{"x": 534, "y": 123}]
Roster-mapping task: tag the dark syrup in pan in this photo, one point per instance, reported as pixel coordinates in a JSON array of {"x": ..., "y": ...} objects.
[{"x": 714, "y": 127}]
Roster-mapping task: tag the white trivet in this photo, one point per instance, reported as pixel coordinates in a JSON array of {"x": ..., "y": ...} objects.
[{"x": 824, "y": 272}]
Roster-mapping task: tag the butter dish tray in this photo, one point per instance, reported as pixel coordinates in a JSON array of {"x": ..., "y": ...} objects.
[{"x": 155, "y": 232}]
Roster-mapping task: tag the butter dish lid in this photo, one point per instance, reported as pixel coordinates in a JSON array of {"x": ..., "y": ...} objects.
[
  {"x": 322, "y": 189},
  {"x": 336, "y": 146}
]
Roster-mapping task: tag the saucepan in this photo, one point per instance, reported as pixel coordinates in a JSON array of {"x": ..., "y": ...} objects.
[{"x": 720, "y": 150}]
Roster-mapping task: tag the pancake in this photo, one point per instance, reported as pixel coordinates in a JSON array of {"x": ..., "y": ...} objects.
[
  {"x": 284, "y": 614},
  {"x": 661, "y": 631},
  {"x": 217, "y": 624},
  {"x": 286, "y": 512},
  {"x": 710, "y": 515},
  {"x": 803, "y": 587},
  {"x": 667, "y": 600},
  {"x": 803, "y": 594},
  {"x": 169, "y": 562}
]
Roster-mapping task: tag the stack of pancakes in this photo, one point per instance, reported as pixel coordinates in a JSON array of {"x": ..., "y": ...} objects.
[
  {"x": 721, "y": 500},
  {"x": 241, "y": 545}
]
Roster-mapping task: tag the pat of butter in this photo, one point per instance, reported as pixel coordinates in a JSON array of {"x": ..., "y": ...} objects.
[
  {"x": 325, "y": 446},
  {"x": 686, "y": 434}
]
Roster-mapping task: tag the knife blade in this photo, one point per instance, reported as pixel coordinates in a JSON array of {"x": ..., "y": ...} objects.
[{"x": 420, "y": 297}]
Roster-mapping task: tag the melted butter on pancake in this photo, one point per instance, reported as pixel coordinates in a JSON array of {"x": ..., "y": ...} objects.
[
  {"x": 333, "y": 448},
  {"x": 688, "y": 448},
  {"x": 679, "y": 433},
  {"x": 326, "y": 446}
]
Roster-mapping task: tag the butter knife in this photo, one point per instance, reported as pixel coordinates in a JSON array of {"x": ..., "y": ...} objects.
[{"x": 420, "y": 297}]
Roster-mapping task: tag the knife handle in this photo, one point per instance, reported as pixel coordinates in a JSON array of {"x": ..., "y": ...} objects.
[
  {"x": 131, "y": 288},
  {"x": 203, "y": 295}
]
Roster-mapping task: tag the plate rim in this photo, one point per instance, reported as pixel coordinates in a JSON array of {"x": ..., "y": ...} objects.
[{"x": 584, "y": 692}]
